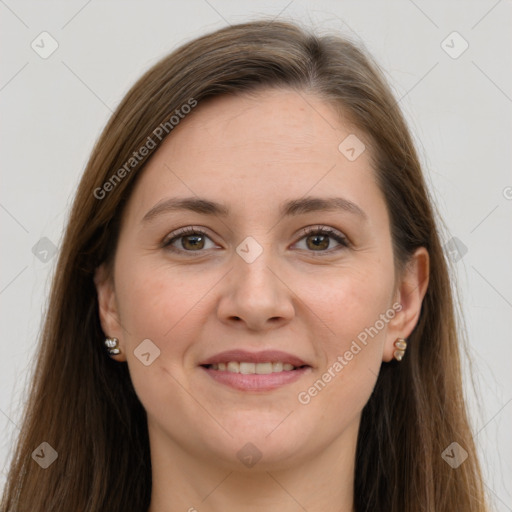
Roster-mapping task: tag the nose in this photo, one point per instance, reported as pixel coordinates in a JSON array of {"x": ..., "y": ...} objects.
[{"x": 256, "y": 295}]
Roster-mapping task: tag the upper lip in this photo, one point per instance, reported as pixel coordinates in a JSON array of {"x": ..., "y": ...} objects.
[{"x": 265, "y": 356}]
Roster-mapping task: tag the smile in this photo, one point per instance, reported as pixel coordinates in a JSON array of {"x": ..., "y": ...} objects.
[
  {"x": 252, "y": 368},
  {"x": 255, "y": 371}
]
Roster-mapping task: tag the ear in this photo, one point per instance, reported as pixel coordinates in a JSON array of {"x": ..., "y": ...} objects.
[
  {"x": 410, "y": 291},
  {"x": 108, "y": 310}
]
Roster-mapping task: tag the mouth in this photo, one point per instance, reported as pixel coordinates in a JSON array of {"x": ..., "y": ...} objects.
[
  {"x": 248, "y": 368},
  {"x": 261, "y": 371}
]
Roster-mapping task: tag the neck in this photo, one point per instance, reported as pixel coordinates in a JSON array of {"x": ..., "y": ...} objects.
[{"x": 321, "y": 482}]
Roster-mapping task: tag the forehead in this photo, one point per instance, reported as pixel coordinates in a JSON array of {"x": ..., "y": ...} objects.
[
  {"x": 285, "y": 123},
  {"x": 257, "y": 148}
]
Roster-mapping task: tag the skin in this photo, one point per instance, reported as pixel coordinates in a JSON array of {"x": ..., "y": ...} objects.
[{"x": 251, "y": 153}]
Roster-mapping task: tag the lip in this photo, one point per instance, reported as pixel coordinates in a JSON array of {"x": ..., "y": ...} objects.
[
  {"x": 265, "y": 356},
  {"x": 255, "y": 382}
]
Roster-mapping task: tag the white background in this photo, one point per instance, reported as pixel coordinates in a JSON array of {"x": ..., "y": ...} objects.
[{"x": 459, "y": 110}]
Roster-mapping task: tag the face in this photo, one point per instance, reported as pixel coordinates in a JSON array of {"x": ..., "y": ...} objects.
[{"x": 286, "y": 262}]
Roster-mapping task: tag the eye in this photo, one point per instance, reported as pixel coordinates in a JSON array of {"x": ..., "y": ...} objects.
[
  {"x": 317, "y": 239},
  {"x": 320, "y": 238},
  {"x": 189, "y": 239}
]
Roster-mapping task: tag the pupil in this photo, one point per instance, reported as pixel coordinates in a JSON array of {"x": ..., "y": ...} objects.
[
  {"x": 320, "y": 241},
  {"x": 194, "y": 240}
]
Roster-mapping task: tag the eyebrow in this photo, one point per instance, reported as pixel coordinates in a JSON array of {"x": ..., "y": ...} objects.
[{"x": 287, "y": 209}]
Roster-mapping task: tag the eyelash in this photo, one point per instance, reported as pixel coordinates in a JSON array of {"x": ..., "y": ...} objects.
[{"x": 316, "y": 230}]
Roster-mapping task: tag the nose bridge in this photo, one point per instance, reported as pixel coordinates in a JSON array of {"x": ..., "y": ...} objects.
[
  {"x": 252, "y": 267},
  {"x": 256, "y": 293}
]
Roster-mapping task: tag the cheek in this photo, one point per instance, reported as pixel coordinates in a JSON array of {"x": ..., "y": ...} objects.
[
  {"x": 159, "y": 303},
  {"x": 156, "y": 300},
  {"x": 353, "y": 307},
  {"x": 348, "y": 300}
]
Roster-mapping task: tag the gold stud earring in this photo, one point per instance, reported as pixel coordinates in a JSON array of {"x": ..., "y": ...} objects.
[
  {"x": 112, "y": 345},
  {"x": 401, "y": 346}
]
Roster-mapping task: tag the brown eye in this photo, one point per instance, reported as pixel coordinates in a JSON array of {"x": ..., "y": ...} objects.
[
  {"x": 317, "y": 242},
  {"x": 323, "y": 240},
  {"x": 189, "y": 239},
  {"x": 192, "y": 242}
]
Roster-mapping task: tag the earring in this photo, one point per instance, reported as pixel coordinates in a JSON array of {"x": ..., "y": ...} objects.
[
  {"x": 112, "y": 345},
  {"x": 401, "y": 346}
]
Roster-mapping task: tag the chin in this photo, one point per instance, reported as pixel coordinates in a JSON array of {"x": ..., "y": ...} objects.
[
  {"x": 261, "y": 445},
  {"x": 243, "y": 455}
]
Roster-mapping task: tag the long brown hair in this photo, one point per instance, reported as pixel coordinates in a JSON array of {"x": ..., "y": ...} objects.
[{"x": 84, "y": 405}]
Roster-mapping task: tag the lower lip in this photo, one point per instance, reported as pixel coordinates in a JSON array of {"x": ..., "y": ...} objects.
[{"x": 256, "y": 382}]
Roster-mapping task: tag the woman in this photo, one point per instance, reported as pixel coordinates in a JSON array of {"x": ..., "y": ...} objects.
[{"x": 251, "y": 309}]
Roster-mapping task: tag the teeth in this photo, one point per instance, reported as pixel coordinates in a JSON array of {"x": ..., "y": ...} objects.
[
  {"x": 262, "y": 368},
  {"x": 277, "y": 367},
  {"x": 252, "y": 368},
  {"x": 247, "y": 368},
  {"x": 233, "y": 367}
]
